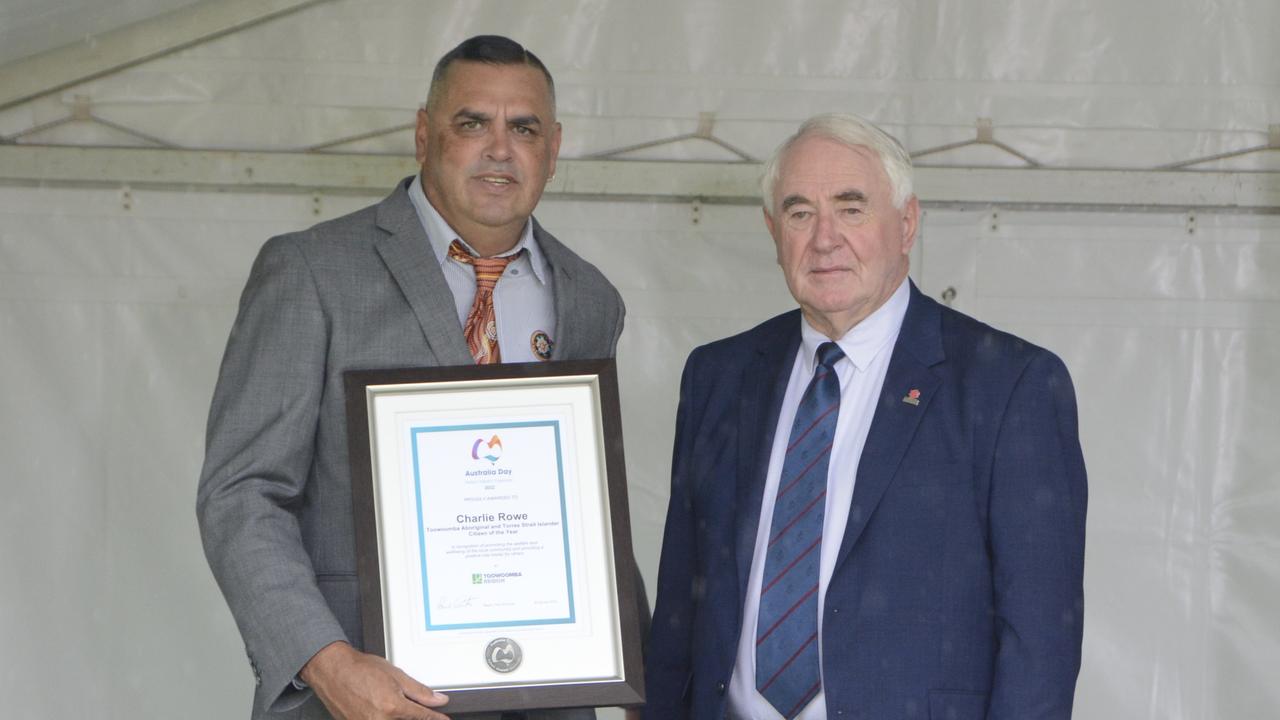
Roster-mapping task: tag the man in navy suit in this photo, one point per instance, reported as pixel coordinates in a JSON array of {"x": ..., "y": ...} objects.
[{"x": 877, "y": 503}]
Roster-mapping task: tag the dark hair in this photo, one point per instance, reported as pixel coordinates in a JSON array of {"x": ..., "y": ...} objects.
[{"x": 492, "y": 50}]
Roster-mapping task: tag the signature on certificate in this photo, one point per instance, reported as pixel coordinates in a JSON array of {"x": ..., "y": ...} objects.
[{"x": 453, "y": 602}]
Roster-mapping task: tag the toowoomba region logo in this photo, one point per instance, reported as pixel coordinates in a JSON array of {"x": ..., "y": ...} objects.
[{"x": 491, "y": 450}]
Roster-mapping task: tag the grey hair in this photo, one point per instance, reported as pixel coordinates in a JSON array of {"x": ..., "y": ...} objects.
[{"x": 851, "y": 131}]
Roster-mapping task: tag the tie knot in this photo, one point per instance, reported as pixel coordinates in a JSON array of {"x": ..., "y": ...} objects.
[
  {"x": 829, "y": 354},
  {"x": 488, "y": 270}
]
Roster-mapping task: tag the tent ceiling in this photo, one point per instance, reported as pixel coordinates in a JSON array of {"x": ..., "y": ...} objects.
[
  {"x": 1139, "y": 85},
  {"x": 28, "y": 27}
]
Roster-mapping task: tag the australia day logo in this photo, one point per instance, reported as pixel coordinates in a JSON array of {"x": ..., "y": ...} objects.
[{"x": 489, "y": 450}]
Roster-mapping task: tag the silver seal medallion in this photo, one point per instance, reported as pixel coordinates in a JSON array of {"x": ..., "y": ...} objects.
[{"x": 503, "y": 655}]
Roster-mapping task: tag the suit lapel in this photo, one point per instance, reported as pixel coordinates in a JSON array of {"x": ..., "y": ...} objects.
[
  {"x": 408, "y": 257},
  {"x": 572, "y": 308},
  {"x": 757, "y": 414},
  {"x": 919, "y": 346}
]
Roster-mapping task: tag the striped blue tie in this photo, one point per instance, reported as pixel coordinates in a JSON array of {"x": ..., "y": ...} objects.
[{"x": 787, "y": 672}]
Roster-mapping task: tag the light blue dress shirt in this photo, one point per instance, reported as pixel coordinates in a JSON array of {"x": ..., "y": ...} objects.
[{"x": 523, "y": 300}]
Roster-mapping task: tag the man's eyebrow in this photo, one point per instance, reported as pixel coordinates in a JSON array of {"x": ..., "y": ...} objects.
[
  {"x": 852, "y": 196},
  {"x": 468, "y": 114},
  {"x": 525, "y": 120},
  {"x": 794, "y": 199}
]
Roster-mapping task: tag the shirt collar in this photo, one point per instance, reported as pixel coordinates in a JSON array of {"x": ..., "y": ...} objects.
[
  {"x": 440, "y": 235},
  {"x": 865, "y": 340}
]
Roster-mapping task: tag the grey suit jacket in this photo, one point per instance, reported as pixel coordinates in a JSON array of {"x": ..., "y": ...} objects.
[{"x": 274, "y": 502}]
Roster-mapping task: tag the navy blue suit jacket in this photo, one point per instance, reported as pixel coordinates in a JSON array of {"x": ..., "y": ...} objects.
[{"x": 957, "y": 592}]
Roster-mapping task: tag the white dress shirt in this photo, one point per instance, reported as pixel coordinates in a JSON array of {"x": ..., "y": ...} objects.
[
  {"x": 523, "y": 299},
  {"x": 867, "y": 348}
]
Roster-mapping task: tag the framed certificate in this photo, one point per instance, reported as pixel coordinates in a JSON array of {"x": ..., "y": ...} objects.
[{"x": 492, "y": 533}]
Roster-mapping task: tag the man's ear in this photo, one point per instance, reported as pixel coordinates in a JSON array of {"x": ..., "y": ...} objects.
[
  {"x": 770, "y": 223},
  {"x": 910, "y": 223},
  {"x": 555, "y": 150},
  {"x": 420, "y": 137}
]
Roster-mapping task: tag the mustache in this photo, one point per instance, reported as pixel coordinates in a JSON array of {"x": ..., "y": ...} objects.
[{"x": 495, "y": 168}]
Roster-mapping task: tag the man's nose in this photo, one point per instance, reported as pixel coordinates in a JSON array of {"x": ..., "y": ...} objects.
[
  {"x": 499, "y": 146},
  {"x": 826, "y": 233}
]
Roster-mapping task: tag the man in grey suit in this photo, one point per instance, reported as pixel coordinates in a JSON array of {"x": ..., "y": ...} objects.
[{"x": 391, "y": 285}]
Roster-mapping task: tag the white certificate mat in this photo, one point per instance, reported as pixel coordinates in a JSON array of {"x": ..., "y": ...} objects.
[{"x": 494, "y": 536}]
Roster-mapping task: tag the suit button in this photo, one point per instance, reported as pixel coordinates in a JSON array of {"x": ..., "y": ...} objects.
[{"x": 720, "y": 688}]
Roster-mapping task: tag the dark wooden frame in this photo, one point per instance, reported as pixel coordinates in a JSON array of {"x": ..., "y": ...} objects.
[{"x": 627, "y": 692}]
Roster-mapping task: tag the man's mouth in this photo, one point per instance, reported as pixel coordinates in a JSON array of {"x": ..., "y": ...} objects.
[{"x": 496, "y": 180}]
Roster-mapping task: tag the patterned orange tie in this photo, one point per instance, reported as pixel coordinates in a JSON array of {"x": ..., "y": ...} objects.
[{"x": 481, "y": 328}]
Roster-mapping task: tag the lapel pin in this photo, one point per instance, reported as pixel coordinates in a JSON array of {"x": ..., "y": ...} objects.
[
  {"x": 912, "y": 397},
  {"x": 541, "y": 344}
]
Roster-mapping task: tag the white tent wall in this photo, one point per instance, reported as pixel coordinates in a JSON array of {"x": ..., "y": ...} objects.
[
  {"x": 113, "y": 314},
  {"x": 115, "y": 302}
]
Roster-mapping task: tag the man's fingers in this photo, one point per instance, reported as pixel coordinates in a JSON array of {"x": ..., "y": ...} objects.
[
  {"x": 420, "y": 693},
  {"x": 354, "y": 685},
  {"x": 409, "y": 709},
  {"x": 423, "y": 696}
]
